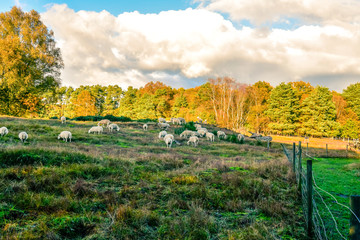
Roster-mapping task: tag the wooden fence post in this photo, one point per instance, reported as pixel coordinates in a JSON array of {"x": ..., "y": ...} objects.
[
  {"x": 347, "y": 150},
  {"x": 309, "y": 197},
  {"x": 354, "y": 232},
  {"x": 307, "y": 148},
  {"x": 299, "y": 167},
  {"x": 294, "y": 156}
]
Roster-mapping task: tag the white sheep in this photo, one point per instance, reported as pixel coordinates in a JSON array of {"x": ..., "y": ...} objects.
[
  {"x": 113, "y": 126},
  {"x": 210, "y": 136},
  {"x": 163, "y": 126},
  {"x": 201, "y": 132},
  {"x": 221, "y": 134},
  {"x": 194, "y": 140},
  {"x": 204, "y": 129},
  {"x": 3, "y": 131},
  {"x": 96, "y": 129},
  {"x": 240, "y": 137},
  {"x": 186, "y": 134},
  {"x": 65, "y": 135},
  {"x": 174, "y": 120},
  {"x": 168, "y": 142},
  {"x": 181, "y": 120},
  {"x": 162, "y": 120},
  {"x": 23, "y": 136},
  {"x": 194, "y": 133},
  {"x": 63, "y": 120},
  {"x": 162, "y": 134},
  {"x": 104, "y": 122},
  {"x": 197, "y": 126},
  {"x": 145, "y": 127}
]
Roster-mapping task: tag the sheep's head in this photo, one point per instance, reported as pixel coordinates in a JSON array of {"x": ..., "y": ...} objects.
[{"x": 59, "y": 136}]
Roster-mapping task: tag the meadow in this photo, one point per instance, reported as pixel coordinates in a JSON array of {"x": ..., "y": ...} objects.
[
  {"x": 128, "y": 185},
  {"x": 336, "y": 180}
]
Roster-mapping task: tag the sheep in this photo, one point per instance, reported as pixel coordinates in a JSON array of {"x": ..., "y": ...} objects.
[
  {"x": 145, "y": 127},
  {"x": 194, "y": 140},
  {"x": 113, "y": 126},
  {"x": 23, "y": 136},
  {"x": 181, "y": 121},
  {"x": 204, "y": 129},
  {"x": 254, "y": 135},
  {"x": 96, "y": 129},
  {"x": 3, "y": 131},
  {"x": 240, "y": 137},
  {"x": 221, "y": 134},
  {"x": 199, "y": 120},
  {"x": 162, "y": 120},
  {"x": 197, "y": 126},
  {"x": 163, "y": 126},
  {"x": 201, "y": 132},
  {"x": 210, "y": 136},
  {"x": 63, "y": 120},
  {"x": 175, "y": 121},
  {"x": 104, "y": 122},
  {"x": 194, "y": 133},
  {"x": 162, "y": 134},
  {"x": 186, "y": 134},
  {"x": 65, "y": 135},
  {"x": 168, "y": 142},
  {"x": 267, "y": 139}
]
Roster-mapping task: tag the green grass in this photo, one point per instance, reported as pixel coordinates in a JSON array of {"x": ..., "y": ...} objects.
[
  {"x": 339, "y": 177},
  {"x": 128, "y": 185}
]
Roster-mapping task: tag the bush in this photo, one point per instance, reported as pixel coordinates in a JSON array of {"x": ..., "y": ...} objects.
[
  {"x": 54, "y": 117},
  {"x": 147, "y": 120},
  {"x": 99, "y": 118}
]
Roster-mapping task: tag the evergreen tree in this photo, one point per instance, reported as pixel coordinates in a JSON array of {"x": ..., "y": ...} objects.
[
  {"x": 352, "y": 97},
  {"x": 318, "y": 114},
  {"x": 283, "y": 110}
]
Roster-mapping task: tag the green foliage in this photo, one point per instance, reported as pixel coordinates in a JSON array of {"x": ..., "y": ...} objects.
[
  {"x": 350, "y": 129},
  {"x": 283, "y": 110},
  {"x": 30, "y": 62},
  {"x": 352, "y": 97},
  {"x": 99, "y": 118},
  {"x": 318, "y": 114}
]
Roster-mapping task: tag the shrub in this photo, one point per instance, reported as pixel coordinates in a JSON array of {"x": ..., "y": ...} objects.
[{"x": 98, "y": 118}]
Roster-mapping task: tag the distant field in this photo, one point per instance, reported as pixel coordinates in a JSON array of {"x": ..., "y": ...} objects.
[
  {"x": 127, "y": 185},
  {"x": 341, "y": 178}
]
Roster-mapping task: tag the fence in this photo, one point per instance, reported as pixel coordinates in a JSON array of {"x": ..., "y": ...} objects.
[{"x": 322, "y": 215}]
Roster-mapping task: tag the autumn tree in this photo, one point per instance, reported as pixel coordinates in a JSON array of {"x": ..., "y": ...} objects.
[
  {"x": 84, "y": 104},
  {"x": 257, "y": 97},
  {"x": 352, "y": 96},
  {"x": 30, "y": 62}
]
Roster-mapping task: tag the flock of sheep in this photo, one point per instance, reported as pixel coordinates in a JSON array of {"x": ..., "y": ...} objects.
[{"x": 169, "y": 139}]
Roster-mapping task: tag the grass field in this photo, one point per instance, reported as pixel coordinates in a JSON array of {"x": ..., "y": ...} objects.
[
  {"x": 128, "y": 185},
  {"x": 340, "y": 178}
]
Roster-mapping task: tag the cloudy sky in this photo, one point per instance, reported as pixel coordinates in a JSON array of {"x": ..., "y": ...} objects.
[{"x": 184, "y": 42}]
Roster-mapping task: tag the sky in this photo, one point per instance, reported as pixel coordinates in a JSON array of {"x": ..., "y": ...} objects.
[{"x": 183, "y": 43}]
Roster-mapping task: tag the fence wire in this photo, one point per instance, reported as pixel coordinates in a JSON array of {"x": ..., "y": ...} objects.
[{"x": 325, "y": 218}]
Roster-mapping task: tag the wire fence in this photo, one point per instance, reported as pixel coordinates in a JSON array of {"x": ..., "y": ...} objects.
[{"x": 324, "y": 215}]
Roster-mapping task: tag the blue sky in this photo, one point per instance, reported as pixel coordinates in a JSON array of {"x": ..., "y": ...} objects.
[{"x": 114, "y": 7}]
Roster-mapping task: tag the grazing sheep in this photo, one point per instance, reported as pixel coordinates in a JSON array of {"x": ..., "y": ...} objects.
[
  {"x": 267, "y": 139},
  {"x": 104, "y": 122},
  {"x": 162, "y": 120},
  {"x": 204, "y": 129},
  {"x": 240, "y": 137},
  {"x": 163, "y": 126},
  {"x": 186, "y": 134},
  {"x": 65, "y": 135},
  {"x": 197, "y": 126},
  {"x": 145, "y": 127},
  {"x": 3, "y": 131},
  {"x": 210, "y": 136},
  {"x": 113, "y": 126},
  {"x": 194, "y": 133},
  {"x": 96, "y": 129},
  {"x": 194, "y": 140},
  {"x": 168, "y": 142},
  {"x": 181, "y": 121},
  {"x": 23, "y": 136},
  {"x": 221, "y": 134},
  {"x": 201, "y": 132},
  {"x": 162, "y": 134},
  {"x": 254, "y": 135},
  {"x": 63, "y": 120}
]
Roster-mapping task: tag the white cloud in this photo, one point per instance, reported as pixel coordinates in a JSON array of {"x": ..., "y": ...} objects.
[
  {"x": 310, "y": 11},
  {"x": 179, "y": 47}
]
